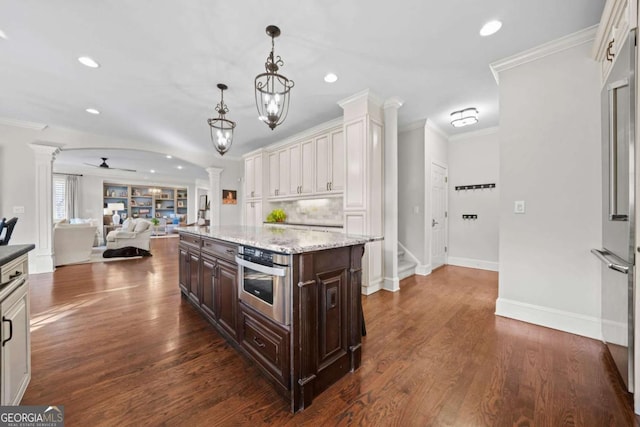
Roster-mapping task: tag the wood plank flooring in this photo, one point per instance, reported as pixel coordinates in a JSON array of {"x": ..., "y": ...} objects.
[{"x": 116, "y": 344}]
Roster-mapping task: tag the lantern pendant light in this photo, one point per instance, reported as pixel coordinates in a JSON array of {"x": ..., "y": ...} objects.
[
  {"x": 272, "y": 89},
  {"x": 221, "y": 128}
]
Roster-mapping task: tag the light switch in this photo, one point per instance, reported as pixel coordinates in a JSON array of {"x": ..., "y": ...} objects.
[
  {"x": 18, "y": 209},
  {"x": 519, "y": 207},
  {"x": 416, "y": 209}
]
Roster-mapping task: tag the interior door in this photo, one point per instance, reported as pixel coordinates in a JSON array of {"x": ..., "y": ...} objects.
[{"x": 438, "y": 215}]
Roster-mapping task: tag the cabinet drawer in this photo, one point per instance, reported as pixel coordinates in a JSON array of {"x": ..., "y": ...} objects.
[
  {"x": 267, "y": 343},
  {"x": 220, "y": 249},
  {"x": 190, "y": 239},
  {"x": 14, "y": 269}
]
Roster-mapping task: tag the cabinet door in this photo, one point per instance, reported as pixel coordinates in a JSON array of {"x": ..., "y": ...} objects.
[
  {"x": 208, "y": 275},
  {"x": 257, "y": 214},
  {"x": 249, "y": 177},
  {"x": 284, "y": 174},
  {"x": 322, "y": 164},
  {"x": 307, "y": 167},
  {"x": 257, "y": 176},
  {"x": 227, "y": 295},
  {"x": 194, "y": 276},
  {"x": 274, "y": 173},
  {"x": 16, "y": 348},
  {"x": 183, "y": 275},
  {"x": 293, "y": 167},
  {"x": 337, "y": 162}
]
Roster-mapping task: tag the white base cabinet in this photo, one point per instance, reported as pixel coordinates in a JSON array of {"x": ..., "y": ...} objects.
[{"x": 15, "y": 335}]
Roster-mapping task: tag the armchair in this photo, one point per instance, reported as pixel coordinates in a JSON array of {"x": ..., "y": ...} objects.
[
  {"x": 134, "y": 232},
  {"x": 72, "y": 243}
]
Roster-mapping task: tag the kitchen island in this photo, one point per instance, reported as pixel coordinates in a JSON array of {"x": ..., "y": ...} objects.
[{"x": 287, "y": 299}]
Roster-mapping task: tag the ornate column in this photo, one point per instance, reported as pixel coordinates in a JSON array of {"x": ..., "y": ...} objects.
[
  {"x": 42, "y": 259},
  {"x": 214, "y": 195},
  {"x": 391, "y": 279}
]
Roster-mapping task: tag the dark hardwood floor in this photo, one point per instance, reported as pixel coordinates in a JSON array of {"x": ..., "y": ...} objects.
[{"x": 116, "y": 344}]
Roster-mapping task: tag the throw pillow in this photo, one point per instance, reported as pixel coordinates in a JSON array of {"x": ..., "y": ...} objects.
[{"x": 141, "y": 226}]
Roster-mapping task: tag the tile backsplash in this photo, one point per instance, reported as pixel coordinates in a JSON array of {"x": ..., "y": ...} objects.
[{"x": 312, "y": 211}]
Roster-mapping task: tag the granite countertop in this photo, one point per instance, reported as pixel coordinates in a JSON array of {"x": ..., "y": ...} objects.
[
  {"x": 10, "y": 252},
  {"x": 280, "y": 239}
]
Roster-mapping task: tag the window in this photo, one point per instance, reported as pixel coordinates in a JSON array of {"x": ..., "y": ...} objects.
[{"x": 59, "y": 198}]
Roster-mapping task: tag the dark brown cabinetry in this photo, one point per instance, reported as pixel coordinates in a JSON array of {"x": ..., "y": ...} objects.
[{"x": 323, "y": 341}]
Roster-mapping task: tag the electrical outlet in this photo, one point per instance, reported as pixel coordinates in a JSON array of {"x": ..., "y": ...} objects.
[{"x": 519, "y": 207}]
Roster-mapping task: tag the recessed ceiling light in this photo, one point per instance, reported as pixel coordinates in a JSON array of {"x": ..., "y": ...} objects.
[
  {"x": 3, "y": 35},
  {"x": 490, "y": 27},
  {"x": 92, "y": 111},
  {"x": 330, "y": 78},
  {"x": 152, "y": 171},
  {"x": 169, "y": 156},
  {"x": 179, "y": 167},
  {"x": 88, "y": 62}
]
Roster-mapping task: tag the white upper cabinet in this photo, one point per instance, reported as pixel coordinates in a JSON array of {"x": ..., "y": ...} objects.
[
  {"x": 618, "y": 18},
  {"x": 330, "y": 163},
  {"x": 253, "y": 176},
  {"x": 279, "y": 173}
]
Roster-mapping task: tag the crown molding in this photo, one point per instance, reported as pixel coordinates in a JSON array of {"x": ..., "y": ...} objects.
[
  {"x": 563, "y": 43},
  {"x": 367, "y": 93},
  {"x": 22, "y": 124},
  {"x": 393, "y": 102},
  {"x": 474, "y": 134}
]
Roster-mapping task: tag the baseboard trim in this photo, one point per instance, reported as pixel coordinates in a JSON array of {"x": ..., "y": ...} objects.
[
  {"x": 391, "y": 284},
  {"x": 372, "y": 288},
  {"x": 473, "y": 263},
  {"x": 574, "y": 323},
  {"x": 423, "y": 270},
  {"x": 41, "y": 263}
]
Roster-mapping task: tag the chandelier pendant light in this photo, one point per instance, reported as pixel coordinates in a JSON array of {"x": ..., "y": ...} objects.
[
  {"x": 466, "y": 117},
  {"x": 221, "y": 128},
  {"x": 273, "y": 89}
]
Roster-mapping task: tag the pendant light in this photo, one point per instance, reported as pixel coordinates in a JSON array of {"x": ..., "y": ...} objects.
[
  {"x": 272, "y": 89},
  {"x": 221, "y": 128}
]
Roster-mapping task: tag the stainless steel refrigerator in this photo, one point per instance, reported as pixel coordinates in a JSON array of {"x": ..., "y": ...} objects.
[{"x": 618, "y": 203}]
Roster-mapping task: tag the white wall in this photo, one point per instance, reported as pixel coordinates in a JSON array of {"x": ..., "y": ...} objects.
[
  {"x": 17, "y": 181},
  {"x": 550, "y": 158},
  {"x": 474, "y": 158},
  {"x": 411, "y": 194}
]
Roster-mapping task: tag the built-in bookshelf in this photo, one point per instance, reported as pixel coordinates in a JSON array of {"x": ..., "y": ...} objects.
[{"x": 147, "y": 201}]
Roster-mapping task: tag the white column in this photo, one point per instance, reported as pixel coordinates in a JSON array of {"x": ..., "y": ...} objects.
[
  {"x": 391, "y": 279},
  {"x": 41, "y": 260},
  {"x": 215, "y": 195}
]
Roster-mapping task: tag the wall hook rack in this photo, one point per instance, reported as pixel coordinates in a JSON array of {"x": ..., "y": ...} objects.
[
  {"x": 469, "y": 216},
  {"x": 475, "y": 186}
]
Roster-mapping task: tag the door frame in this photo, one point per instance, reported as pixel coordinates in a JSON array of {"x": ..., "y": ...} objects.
[{"x": 428, "y": 217}]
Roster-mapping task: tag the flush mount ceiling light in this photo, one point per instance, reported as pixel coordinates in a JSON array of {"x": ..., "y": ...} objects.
[
  {"x": 490, "y": 27},
  {"x": 92, "y": 111},
  {"x": 466, "y": 117},
  {"x": 330, "y": 78},
  {"x": 220, "y": 127},
  {"x": 88, "y": 62},
  {"x": 273, "y": 89}
]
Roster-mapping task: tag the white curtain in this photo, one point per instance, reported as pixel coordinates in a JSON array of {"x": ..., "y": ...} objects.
[{"x": 71, "y": 196}]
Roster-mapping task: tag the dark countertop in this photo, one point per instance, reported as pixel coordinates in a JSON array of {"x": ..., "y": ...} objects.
[
  {"x": 280, "y": 239},
  {"x": 10, "y": 252},
  {"x": 299, "y": 224}
]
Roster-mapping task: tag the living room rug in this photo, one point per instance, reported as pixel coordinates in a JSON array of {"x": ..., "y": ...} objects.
[{"x": 96, "y": 256}]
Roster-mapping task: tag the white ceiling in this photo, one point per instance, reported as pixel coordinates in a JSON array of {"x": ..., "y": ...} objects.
[{"x": 161, "y": 60}]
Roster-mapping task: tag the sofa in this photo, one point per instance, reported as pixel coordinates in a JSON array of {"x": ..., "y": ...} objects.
[
  {"x": 72, "y": 243},
  {"x": 134, "y": 233}
]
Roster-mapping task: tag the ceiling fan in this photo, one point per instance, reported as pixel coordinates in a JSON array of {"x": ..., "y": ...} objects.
[{"x": 104, "y": 165}]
